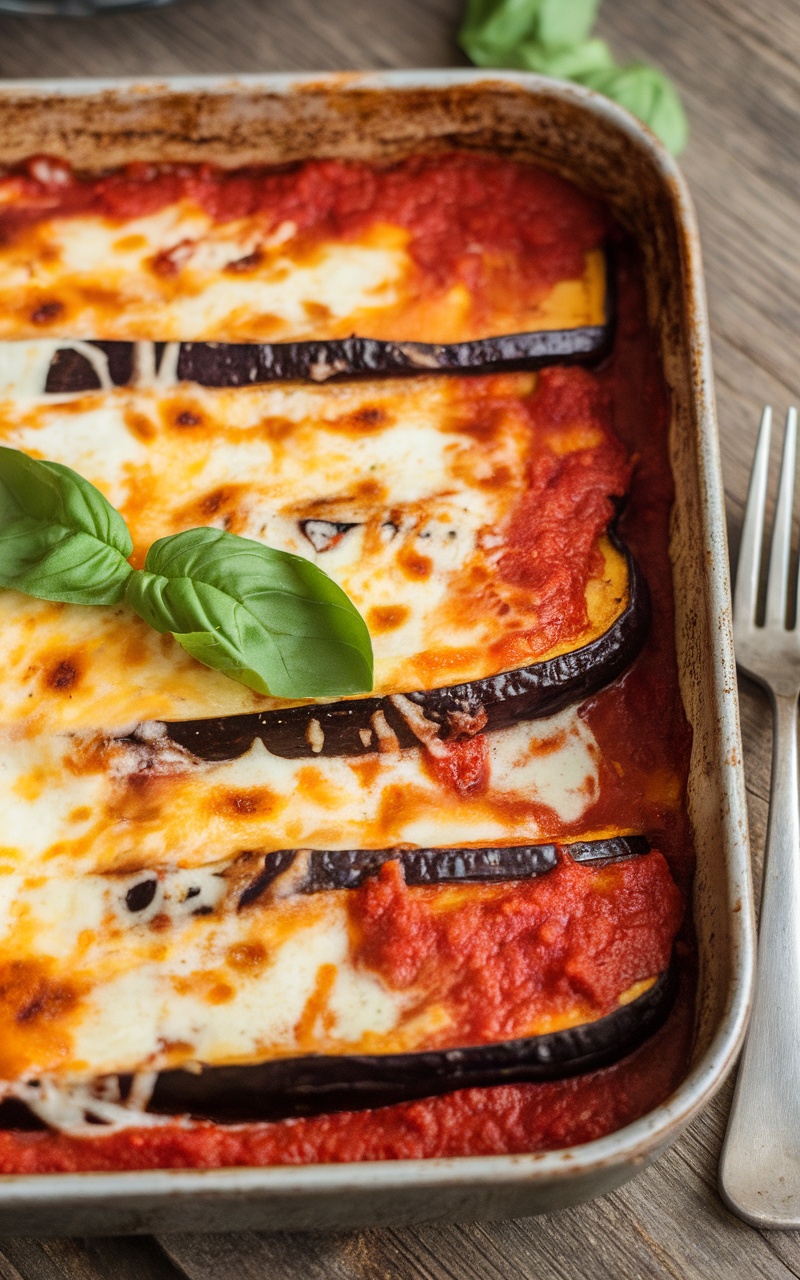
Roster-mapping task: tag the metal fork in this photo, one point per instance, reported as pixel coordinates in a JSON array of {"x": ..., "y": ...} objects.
[{"x": 760, "y": 1164}]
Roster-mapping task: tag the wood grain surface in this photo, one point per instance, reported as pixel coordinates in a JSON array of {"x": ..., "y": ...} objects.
[{"x": 737, "y": 63}]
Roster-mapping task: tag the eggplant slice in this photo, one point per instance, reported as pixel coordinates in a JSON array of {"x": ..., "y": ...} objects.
[
  {"x": 306, "y": 1086},
  {"x": 328, "y": 869},
  {"x": 319, "y": 1083},
  {"x": 223, "y": 364},
  {"x": 348, "y": 727}
]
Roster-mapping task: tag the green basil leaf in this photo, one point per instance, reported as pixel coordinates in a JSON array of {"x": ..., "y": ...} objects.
[
  {"x": 551, "y": 37},
  {"x": 568, "y": 63},
  {"x": 60, "y": 539},
  {"x": 647, "y": 94},
  {"x": 494, "y": 31},
  {"x": 566, "y": 22},
  {"x": 271, "y": 620}
]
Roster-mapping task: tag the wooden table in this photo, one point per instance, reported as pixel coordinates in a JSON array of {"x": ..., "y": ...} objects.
[{"x": 738, "y": 65}]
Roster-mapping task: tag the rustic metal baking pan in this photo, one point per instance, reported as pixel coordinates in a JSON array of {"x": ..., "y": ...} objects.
[{"x": 591, "y": 140}]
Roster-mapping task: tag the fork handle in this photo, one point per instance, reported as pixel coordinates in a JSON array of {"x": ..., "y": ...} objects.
[{"x": 760, "y": 1163}]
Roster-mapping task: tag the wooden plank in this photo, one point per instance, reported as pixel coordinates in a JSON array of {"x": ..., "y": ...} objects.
[
  {"x": 216, "y": 36},
  {"x": 553, "y": 1248},
  {"x": 134, "y": 1258}
]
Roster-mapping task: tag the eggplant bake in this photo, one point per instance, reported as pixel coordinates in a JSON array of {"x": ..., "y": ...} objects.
[{"x": 444, "y": 917}]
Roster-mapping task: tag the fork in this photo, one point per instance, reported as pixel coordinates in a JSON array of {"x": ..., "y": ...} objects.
[{"x": 760, "y": 1164}]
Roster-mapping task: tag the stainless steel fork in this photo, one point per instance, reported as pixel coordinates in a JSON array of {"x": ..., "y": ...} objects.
[{"x": 760, "y": 1164}]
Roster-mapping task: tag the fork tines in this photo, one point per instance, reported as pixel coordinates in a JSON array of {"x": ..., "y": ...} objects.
[{"x": 746, "y": 596}]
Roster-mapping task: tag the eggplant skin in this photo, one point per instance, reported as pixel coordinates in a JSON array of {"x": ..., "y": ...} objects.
[
  {"x": 246, "y": 364},
  {"x": 329, "y": 869},
  {"x": 495, "y": 702},
  {"x": 307, "y": 1086},
  {"x": 223, "y": 364}
]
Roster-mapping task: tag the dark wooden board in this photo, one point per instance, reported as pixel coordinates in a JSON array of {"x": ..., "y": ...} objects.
[{"x": 738, "y": 65}]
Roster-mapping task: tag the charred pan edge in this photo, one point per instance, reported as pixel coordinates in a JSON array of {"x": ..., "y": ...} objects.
[
  {"x": 347, "y": 728},
  {"x": 306, "y": 1086},
  {"x": 223, "y": 364},
  {"x": 328, "y": 869}
]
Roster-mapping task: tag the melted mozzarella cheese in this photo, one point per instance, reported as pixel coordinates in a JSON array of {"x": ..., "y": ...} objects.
[
  {"x": 180, "y": 275},
  {"x": 150, "y": 994},
  {"x": 393, "y": 464},
  {"x": 96, "y": 811},
  {"x": 176, "y": 273}
]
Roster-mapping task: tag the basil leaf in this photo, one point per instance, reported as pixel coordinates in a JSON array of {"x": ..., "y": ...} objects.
[
  {"x": 494, "y": 30},
  {"x": 566, "y": 22},
  {"x": 551, "y": 37},
  {"x": 60, "y": 539},
  {"x": 573, "y": 62},
  {"x": 271, "y": 620},
  {"x": 648, "y": 94}
]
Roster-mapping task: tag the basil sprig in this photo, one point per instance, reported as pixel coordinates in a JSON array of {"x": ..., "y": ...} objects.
[
  {"x": 266, "y": 618},
  {"x": 60, "y": 539},
  {"x": 552, "y": 37},
  {"x": 272, "y": 620}
]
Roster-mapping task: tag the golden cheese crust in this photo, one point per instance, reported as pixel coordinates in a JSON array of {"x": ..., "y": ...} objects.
[{"x": 445, "y": 507}]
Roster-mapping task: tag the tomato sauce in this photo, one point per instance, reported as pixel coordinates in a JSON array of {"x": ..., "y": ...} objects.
[
  {"x": 500, "y": 230},
  {"x": 638, "y": 721},
  {"x": 446, "y": 202},
  {"x": 551, "y": 543},
  {"x": 504, "y": 956}
]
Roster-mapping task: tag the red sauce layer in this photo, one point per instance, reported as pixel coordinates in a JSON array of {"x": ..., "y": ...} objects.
[
  {"x": 576, "y": 939},
  {"x": 447, "y": 203},
  {"x": 550, "y": 549}
]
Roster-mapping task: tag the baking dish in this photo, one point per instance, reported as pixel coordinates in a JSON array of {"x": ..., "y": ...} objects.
[{"x": 278, "y": 119}]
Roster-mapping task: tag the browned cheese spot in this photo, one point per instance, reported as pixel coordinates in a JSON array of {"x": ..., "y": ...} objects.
[
  {"x": 140, "y": 425},
  {"x": 317, "y": 310},
  {"x": 130, "y": 243},
  {"x": 277, "y": 429},
  {"x": 250, "y": 262},
  {"x": 370, "y": 489},
  {"x": 188, "y": 418},
  {"x": 497, "y": 478},
  {"x": 169, "y": 262},
  {"x": 220, "y": 993},
  {"x": 244, "y": 803},
  {"x": 31, "y": 995},
  {"x": 35, "y": 1009},
  {"x": 370, "y": 417},
  {"x": 413, "y": 564},
  {"x": 247, "y": 956},
  {"x": 136, "y": 650},
  {"x": 213, "y": 502},
  {"x": 387, "y": 617},
  {"x": 266, "y": 323},
  {"x": 63, "y": 676},
  {"x": 483, "y": 425},
  {"x": 47, "y": 312}
]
